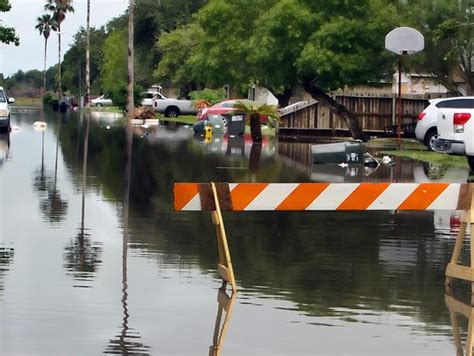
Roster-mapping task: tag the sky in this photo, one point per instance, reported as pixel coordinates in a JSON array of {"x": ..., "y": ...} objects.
[{"x": 30, "y": 53}]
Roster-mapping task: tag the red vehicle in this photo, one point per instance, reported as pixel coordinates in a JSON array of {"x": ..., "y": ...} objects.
[{"x": 223, "y": 108}]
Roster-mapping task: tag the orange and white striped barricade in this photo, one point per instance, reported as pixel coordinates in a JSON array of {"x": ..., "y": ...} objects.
[{"x": 216, "y": 197}]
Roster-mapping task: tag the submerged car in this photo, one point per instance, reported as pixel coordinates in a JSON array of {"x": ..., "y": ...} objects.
[
  {"x": 5, "y": 102},
  {"x": 426, "y": 130}
]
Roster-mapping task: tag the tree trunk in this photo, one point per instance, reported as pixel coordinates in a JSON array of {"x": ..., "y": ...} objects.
[
  {"x": 284, "y": 98},
  {"x": 88, "y": 71},
  {"x": 131, "y": 78},
  {"x": 255, "y": 129},
  {"x": 339, "y": 109},
  {"x": 44, "y": 69},
  {"x": 254, "y": 158}
]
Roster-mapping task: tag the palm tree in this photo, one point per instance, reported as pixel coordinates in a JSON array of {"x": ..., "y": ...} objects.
[
  {"x": 45, "y": 24},
  {"x": 59, "y": 8},
  {"x": 254, "y": 111}
]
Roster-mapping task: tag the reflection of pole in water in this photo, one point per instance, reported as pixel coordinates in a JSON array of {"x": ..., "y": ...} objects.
[
  {"x": 84, "y": 167},
  {"x": 81, "y": 257},
  {"x": 225, "y": 304},
  {"x": 122, "y": 344}
]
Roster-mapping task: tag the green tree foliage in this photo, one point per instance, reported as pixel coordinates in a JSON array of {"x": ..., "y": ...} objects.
[
  {"x": 177, "y": 48},
  {"x": 448, "y": 27},
  {"x": 24, "y": 83},
  {"x": 114, "y": 70},
  {"x": 322, "y": 45},
  {"x": 7, "y": 34},
  {"x": 114, "y": 64},
  {"x": 74, "y": 61}
]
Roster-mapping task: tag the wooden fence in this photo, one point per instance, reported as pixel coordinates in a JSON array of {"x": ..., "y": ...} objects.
[{"x": 374, "y": 114}]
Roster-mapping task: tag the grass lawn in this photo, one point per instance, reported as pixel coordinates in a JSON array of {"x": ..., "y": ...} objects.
[
  {"x": 181, "y": 119},
  {"x": 413, "y": 149},
  {"x": 23, "y": 101}
]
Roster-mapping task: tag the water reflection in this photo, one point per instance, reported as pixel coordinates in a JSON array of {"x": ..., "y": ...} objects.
[
  {"x": 459, "y": 308},
  {"x": 7, "y": 253},
  {"x": 378, "y": 277},
  {"x": 81, "y": 256},
  {"x": 53, "y": 206},
  {"x": 127, "y": 342},
  {"x": 4, "y": 147},
  {"x": 225, "y": 304},
  {"x": 298, "y": 155}
]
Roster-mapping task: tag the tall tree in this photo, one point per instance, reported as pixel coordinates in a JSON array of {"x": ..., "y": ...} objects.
[
  {"x": 321, "y": 45},
  {"x": 131, "y": 78},
  {"x": 448, "y": 27},
  {"x": 7, "y": 34},
  {"x": 45, "y": 24},
  {"x": 59, "y": 8}
]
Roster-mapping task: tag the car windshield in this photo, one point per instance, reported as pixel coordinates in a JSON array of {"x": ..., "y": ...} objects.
[{"x": 3, "y": 99}]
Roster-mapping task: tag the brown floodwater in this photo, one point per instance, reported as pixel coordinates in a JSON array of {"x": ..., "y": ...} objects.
[{"x": 93, "y": 258}]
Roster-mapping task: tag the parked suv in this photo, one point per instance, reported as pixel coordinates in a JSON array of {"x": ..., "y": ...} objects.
[
  {"x": 426, "y": 130},
  {"x": 456, "y": 133},
  {"x": 5, "y": 102}
]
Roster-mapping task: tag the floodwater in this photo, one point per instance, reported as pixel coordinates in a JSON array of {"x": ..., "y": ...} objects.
[{"x": 93, "y": 258}]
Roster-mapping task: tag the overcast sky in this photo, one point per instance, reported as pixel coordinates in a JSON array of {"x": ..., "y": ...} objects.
[{"x": 30, "y": 53}]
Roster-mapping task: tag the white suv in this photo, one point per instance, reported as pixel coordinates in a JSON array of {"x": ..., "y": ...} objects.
[
  {"x": 426, "y": 130},
  {"x": 5, "y": 109}
]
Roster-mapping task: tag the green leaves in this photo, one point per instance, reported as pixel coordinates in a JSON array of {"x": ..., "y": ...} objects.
[
  {"x": 7, "y": 34},
  {"x": 252, "y": 108}
]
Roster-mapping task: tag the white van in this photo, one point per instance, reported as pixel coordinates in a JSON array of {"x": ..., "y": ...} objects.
[
  {"x": 5, "y": 109},
  {"x": 456, "y": 133}
]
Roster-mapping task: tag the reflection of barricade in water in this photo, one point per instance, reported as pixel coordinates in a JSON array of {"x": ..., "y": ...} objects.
[
  {"x": 330, "y": 197},
  {"x": 225, "y": 305},
  {"x": 457, "y": 307}
]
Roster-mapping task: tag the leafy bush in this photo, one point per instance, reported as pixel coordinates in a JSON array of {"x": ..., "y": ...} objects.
[
  {"x": 210, "y": 95},
  {"x": 47, "y": 98},
  {"x": 119, "y": 96}
]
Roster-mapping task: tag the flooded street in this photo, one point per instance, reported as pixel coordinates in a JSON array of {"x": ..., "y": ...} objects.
[{"x": 101, "y": 263}]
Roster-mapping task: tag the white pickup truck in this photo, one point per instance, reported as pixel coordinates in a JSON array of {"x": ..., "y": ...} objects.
[
  {"x": 172, "y": 107},
  {"x": 456, "y": 133}
]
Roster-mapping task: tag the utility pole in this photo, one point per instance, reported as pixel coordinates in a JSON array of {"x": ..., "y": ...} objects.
[
  {"x": 131, "y": 77},
  {"x": 88, "y": 72}
]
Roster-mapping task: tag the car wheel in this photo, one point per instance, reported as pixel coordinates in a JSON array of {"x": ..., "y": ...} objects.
[
  {"x": 98, "y": 105},
  {"x": 430, "y": 138},
  {"x": 172, "y": 111},
  {"x": 470, "y": 160}
]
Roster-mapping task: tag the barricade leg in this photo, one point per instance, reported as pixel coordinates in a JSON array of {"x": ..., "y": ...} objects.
[
  {"x": 455, "y": 270},
  {"x": 225, "y": 264}
]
